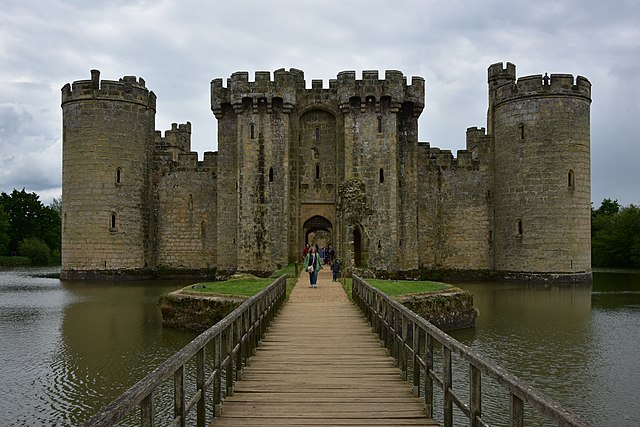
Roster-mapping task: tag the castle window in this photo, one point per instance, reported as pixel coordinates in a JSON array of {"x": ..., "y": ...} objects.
[
  {"x": 521, "y": 129},
  {"x": 317, "y": 134},
  {"x": 64, "y": 222},
  {"x": 379, "y": 124},
  {"x": 118, "y": 176},
  {"x": 519, "y": 228},
  {"x": 381, "y": 175},
  {"x": 253, "y": 131},
  {"x": 270, "y": 174},
  {"x": 571, "y": 181},
  {"x": 113, "y": 224},
  {"x": 317, "y": 171},
  {"x": 203, "y": 229}
]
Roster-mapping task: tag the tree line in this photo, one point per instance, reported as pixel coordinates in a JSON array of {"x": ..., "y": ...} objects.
[
  {"x": 615, "y": 235},
  {"x": 29, "y": 230}
]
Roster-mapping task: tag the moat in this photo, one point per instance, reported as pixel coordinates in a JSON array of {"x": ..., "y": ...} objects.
[{"x": 68, "y": 348}]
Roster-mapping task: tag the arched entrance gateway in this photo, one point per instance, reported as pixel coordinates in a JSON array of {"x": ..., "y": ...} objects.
[{"x": 317, "y": 230}]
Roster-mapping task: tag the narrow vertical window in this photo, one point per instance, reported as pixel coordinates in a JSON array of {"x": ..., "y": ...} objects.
[
  {"x": 521, "y": 129},
  {"x": 64, "y": 222},
  {"x": 519, "y": 228},
  {"x": 317, "y": 171},
  {"x": 317, "y": 134},
  {"x": 190, "y": 203},
  {"x": 253, "y": 131},
  {"x": 118, "y": 175},
  {"x": 113, "y": 223},
  {"x": 571, "y": 183},
  {"x": 381, "y": 175},
  {"x": 270, "y": 174},
  {"x": 379, "y": 124},
  {"x": 203, "y": 229}
]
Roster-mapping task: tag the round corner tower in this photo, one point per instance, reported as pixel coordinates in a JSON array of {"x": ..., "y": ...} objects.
[
  {"x": 542, "y": 190},
  {"x": 107, "y": 152}
]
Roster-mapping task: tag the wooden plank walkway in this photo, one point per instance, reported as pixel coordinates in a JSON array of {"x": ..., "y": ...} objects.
[{"x": 320, "y": 364}]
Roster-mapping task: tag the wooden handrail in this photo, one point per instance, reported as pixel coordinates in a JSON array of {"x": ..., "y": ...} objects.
[
  {"x": 391, "y": 320},
  {"x": 234, "y": 340}
]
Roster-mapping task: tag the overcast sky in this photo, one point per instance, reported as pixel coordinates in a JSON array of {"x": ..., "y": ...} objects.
[{"x": 178, "y": 47}]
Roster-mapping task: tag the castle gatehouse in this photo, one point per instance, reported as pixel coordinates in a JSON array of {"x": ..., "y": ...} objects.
[{"x": 337, "y": 164}]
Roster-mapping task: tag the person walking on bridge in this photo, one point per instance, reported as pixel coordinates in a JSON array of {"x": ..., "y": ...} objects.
[{"x": 312, "y": 265}]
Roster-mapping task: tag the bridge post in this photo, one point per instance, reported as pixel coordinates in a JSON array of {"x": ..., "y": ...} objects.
[
  {"x": 217, "y": 380},
  {"x": 428, "y": 369},
  {"x": 201, "y": 409},
  {"x": 146, "y": 411},
  {"x": 178, "y": 393},
  {"x": 415, "y": 353},
  {"x": 475, "y": 393},
  {"x": 516, "y": 410},
  {"x": 447, "y": 410}
]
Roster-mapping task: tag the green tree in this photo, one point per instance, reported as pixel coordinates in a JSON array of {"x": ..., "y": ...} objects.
[
  {"x": 4, "y": 231},
  {"x": 615, "y": 233},
  {"x": 56, "y": 205},
  {"x": 34, "y": 249},
  {"x": 28, "y": 217}
]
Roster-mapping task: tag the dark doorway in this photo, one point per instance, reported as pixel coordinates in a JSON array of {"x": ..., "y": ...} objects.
[{"x": 357, "y": 247}]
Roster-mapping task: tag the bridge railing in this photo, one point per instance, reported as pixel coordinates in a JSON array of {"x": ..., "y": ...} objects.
[
  {"x": 233, "y": 341},
  {"x": 410, "y": 340}
]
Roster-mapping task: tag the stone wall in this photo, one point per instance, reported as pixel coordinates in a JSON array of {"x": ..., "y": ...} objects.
[
  {"x": 186, "y": 212},
  {"x": 446, "y": 310},
  {"x": 108, "y": 140},
  {"x": 517, "y": 200},
  {"x": 193, "y": 311}
]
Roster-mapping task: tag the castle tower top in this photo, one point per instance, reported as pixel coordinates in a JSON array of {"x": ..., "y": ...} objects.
[
  {"x": 127, "y": 89},
  {"x": 284, "y": 85},
  {"x": 289, "y": 85},
  {"x": 393, "y": 86},
  {"x": 503, "y": 85}
]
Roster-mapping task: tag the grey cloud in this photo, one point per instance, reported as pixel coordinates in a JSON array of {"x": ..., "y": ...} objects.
[{"x": 178, "y": 47}]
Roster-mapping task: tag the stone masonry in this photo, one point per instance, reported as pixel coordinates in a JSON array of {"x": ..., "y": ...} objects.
[{"x": 514, "y": 203}]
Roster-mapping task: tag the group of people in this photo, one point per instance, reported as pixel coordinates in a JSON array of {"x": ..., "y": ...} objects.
[{"x": 315, "y": 258}]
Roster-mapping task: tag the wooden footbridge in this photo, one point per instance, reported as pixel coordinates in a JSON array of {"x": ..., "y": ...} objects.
[
  {"x": 320, "y": 364},
  {"x": 325, "y": 360}
]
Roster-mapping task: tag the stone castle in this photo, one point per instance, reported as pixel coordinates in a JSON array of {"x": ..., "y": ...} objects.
[{"x": 341, "y": 164}]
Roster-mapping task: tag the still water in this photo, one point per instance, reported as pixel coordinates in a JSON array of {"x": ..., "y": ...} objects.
[
  {"x": 578, "y": 344},
  {"x": 69, "y": 348}
]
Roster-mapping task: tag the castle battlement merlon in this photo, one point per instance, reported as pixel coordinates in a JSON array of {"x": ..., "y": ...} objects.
[
  {"x": 478, "y": 142},
  {"x": 127, "y": 89},
  {"x": 178, "y": 137},
  {"x": 394, "y": 86},
  {"x": 504, "y": 86},
  {"x": 284, "y": 85}
]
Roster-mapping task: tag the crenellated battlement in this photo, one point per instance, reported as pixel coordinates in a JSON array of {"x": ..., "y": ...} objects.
[
  {"x": 291, "y": 86},
  {"x": 178, "y": 137},
  {"x": 503, "y": 85},
  {"x": 127, "y": 89},
  {"x": 285, "y": 85},
  {"x": 444, "y": 159},
  {"x": 171, "y": 160},
  {"x": 394, "y": 86}
]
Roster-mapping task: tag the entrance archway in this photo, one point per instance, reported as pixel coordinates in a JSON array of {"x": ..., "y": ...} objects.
[{"x": 317, "y": 229}]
